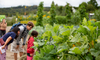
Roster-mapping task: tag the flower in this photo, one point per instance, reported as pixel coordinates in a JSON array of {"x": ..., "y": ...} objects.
[
  {"x": 48, "y": 16},
  {"x": 44, "y": 15}
]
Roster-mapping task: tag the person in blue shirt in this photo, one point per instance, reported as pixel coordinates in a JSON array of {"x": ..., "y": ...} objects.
[{"x": 8, "y": 39}]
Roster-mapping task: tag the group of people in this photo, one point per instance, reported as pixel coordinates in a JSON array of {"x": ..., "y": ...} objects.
[{"x": 14, "y": 37}]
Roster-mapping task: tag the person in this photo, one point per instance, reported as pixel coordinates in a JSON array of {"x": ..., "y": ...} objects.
[
  {"x": 3, "y": 26},
  {"x": 17, "y": 46},
  {"x": 8, "y": 38},
  {"x": 30, "y": 51}
]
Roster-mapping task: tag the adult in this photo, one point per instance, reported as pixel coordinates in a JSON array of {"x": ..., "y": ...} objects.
[
  {"x": 8, "y": 38},
  {"x": 3, "y": 26}
]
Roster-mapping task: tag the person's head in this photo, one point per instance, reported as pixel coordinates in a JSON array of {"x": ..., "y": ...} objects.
[
  {"x": 34, "y": 33},
  {"x": 16, "y": 30},
  {"x": 3, "y": 20},
  {"x": 29, "y": 26}
]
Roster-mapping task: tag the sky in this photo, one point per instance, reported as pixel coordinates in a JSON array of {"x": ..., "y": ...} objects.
[{"x": 47, "y": 3}]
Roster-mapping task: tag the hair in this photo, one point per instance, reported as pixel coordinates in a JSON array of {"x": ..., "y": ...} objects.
[
  {"x": 30, "y": 24},
  {"x": 15, "y": 30},
  {"x": 34, "y": 33}
]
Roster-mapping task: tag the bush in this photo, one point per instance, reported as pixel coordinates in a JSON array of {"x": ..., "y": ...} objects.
[
  {"x": 61, "y": 19},
  {"x": 75, "y": 19},
  {"x": 25, "y": 22},
  {"x": 46, "y": 20},
  {"x": 97, "y": 15},
  {"x": 11, "y": 22}
]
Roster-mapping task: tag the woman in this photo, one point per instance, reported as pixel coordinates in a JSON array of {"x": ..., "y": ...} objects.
[
  {"x": 3, "y": 26},
  {"x": 8, "y": 39}
]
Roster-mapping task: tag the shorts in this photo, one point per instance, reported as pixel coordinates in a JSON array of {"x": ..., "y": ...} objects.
[{"x": 14, "y": 45}]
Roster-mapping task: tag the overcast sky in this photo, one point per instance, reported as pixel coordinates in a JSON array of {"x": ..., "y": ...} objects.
[{"x": 47, "y": 3}]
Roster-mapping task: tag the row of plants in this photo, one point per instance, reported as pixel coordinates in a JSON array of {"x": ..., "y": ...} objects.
[{"x": 63, "y": 42}]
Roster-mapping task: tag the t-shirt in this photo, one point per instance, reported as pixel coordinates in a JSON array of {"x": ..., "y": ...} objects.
[
  {"x": 12, "y": 34},
  {"x": 30, "y": 44}
]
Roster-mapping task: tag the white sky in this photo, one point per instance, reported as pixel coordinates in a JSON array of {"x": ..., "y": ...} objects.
[{"x": 12, "y": 3}]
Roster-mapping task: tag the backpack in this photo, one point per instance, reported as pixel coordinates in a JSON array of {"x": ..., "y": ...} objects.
[{"x": 17, "y": 25}]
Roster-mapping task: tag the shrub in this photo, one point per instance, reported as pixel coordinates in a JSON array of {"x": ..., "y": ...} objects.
[
  {"x": 11, "y": 22},
  {"x": 97, "y": 15},
  {"x": 25, "y": 22},
  {"x": 61, "y": 19}
]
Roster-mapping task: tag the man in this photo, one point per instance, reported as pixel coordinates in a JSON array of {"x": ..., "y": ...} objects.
[{"x": 17, "y": 45}]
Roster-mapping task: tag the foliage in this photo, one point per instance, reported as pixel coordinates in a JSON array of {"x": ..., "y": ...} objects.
[
  {"x": 46, "y": 20},
  {"x": 90, "y": 8},
  {"x": 94, "y": 3},
  {"x": 83, "y": 13},
  {"x": 40, "y": 14},
  {"x": 61, "y": 19},
  {"x": 97, "y": 15},
  {"x": 68, "y": 11},
  {"x": 12, "y": 11},
  {"x": 67, "y": 42},
  {"x": 83, "y": 3},
  {"x": 25, "y": 22},
  {"x": 52, "y": 14},
  {"x": 11, "y": 22},
  {"x": 75, "y": 18}
]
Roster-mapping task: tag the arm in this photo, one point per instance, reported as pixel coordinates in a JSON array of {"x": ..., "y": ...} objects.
[
  {"x": 19, "y": 37},
  {"x": 24, "y": 40},
  {"x": 7, "y": 41}
]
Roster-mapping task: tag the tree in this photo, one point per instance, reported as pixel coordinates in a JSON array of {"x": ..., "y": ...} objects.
[
  {"x": 40, "y": 14},
  {"x": 68, "y": 12},
  {"x": 94, "y": 3},
  {"x": 85, "y": 5},
  {"x": 82, "y": 11},
  {"x": 52, "y": 14},
  {"x": 90, "y": 8}
]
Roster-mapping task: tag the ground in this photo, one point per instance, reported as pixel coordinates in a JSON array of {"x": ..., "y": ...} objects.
[{"x": 9, "y": 54}]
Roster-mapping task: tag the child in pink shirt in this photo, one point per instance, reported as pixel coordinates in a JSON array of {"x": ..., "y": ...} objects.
[{"x": 30, "y": 51}]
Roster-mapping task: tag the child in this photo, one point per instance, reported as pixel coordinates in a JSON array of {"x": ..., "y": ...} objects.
[
  {"x": 30, "y": 51},
  {"x": 8, "y": 39}
]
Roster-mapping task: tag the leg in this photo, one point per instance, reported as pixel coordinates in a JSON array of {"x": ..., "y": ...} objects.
[
  {"x": 15, "y": 56},
  {"x": 24, "y": 57},
  {"x": 21, "y": 53},
  {"x": 13, "y": 49},
  {"x": 21, "y": 50},
  {"x": 0, "y": 33}
]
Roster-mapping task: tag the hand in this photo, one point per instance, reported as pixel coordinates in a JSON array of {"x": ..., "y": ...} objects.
[
  {"x": 31, "y": 54},
  {"x": 3, "y": 46},
  {"x": 17, "y": 47}
]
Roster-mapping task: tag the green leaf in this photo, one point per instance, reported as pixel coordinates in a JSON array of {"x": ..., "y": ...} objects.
[
  {"x": 57, "y": 39},
  {"x": 97, "y": 57},
  {"x": 89, "y": 57},
  {"x": 98, "y": 40},
  {"x": 85, "y": 22},
  {"x": 75, "y": 50},
  {"x": 55, "y": 28},
  {"x": 94, "y": 52},
  {"x": 72, "y": 57}
]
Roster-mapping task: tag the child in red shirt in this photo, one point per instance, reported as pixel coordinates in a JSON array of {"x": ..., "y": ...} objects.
[{"x": 30, "y": 51}]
